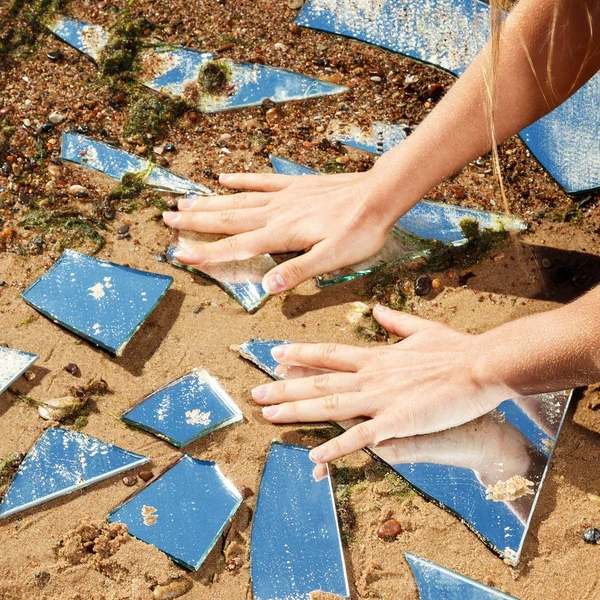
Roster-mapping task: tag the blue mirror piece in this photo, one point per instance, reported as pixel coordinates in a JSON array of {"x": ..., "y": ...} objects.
[
  {"x": 175, "y": 71},
  {"x": 116, "y": 163},
  {"x": 438, "y": 583},
  {"x": 567, "y": 141},
  {"x": 183, "y": 512},
  {"x": 295, "y": 547},
  {"x": 100, "y": 301},
  {"x": 87, "y": 38},
  {"x": 444, "y": 33},
  {"x": 382, "y": 137},
  {"x": 493, "y": 493},
  {"x": 184, "y": 410},
  {"x": 242, "y": 280},
  {"x": 13, "y": 363},
  {"x": 61, "y": 462},
  {"x": 283, "y": 166}
]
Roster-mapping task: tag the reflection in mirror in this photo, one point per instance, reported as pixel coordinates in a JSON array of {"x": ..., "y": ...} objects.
[
  {"x": 87, "y": 38},
  {"x": 116, "y": 163},
  {"x": 100, "y": 301},
  {"x": 242, "y": 279},
  {"x": 182, "y": 512},
  {"x": 184, "y": 410},
  {"x": 381, "y": 138},
  {"x": 61, "y": 462},
  {"x": 488, "y": 472},
  {"x": 436, "y": 583},
  {"x": 13, "y": 363},
  {"x": 295, "y": 548}
]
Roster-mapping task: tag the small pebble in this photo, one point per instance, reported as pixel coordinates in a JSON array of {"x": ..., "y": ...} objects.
[
  {"x": 54, "y": 170},
  {"x": 246, "y": 492},
  {"x": 129, "y": 480},
  {"x": 225, "y": 138},
  {"x": 146, "y": 475},
  {"x": 169, "y": 147},
  {"x": 109, "y": 215},
  {"x": 294, "y": 4},
  {"x": 2, "y": 283},
  {"x": 123, "y": 229},
  {"x": 73, "y": 369},
  {"x": 47, "y": 127},
  {"x": 389, "y": 530},
  {"x": 77, "y": 190},
  {"x": 546, "y": 263},
  {"x": 41, "y": 578},
  {"x": 376, "y": 79},
  {"x": 342, "y": 160},
  {"x": 435, "y": 90},
  {"x": 294, "y": 28},
  {"x": 436, "y": 284},
  {"x": 423, "y": 285},
  {"x": 160, "y": 257},
  {"x": 82, "y": 129},
  {"x": 56, "y": 118},
  {"x": 591, "y": 535},
  {"x": 55, "y": 56}
]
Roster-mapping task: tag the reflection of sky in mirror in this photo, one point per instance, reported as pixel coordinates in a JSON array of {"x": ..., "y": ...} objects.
[
  {"x": 489, "y": 472},
  {"x": 87, "y": 38},
  {"x": 13, "y": 363}
]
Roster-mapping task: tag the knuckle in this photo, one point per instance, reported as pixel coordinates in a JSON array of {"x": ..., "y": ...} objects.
[
  {"x": 328, "y": 352},
  {"x": 331, "y": 403},
  {"x": 362, "y": 434},
  {"x": 239, "y": 199},
  {"x": 231, "y": 244},
  {"x": 294, "y": 270},
  {"x": 227, "y": 216},
  {"x": 321, "y": 381}
]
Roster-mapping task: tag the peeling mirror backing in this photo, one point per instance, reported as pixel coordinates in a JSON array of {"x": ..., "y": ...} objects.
[
  {"x": 494, "y": 492},
  {"x": 87, "y": 38},
  {"x": 242, "y": 280},
  {"x": 382, "y": 137},
  {"x": 295, "y": 547},
  {"x": 13, "y": 363},
  {"x": 181, "y": 71},
  {"x": 116, "y": 163},
  {"x": 183, "y": 512},
  {"x": 100, "y": 301},
  {"x": 436, "y": 582},
  {"x": 61, "y": 462},
  {"x": 184, "y": 410},
  {"x": 444, "y": 33},
  {"x": 567, "y": 141}
]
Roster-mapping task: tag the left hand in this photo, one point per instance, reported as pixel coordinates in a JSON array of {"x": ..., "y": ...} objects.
[{"x": 432, "y": 380}]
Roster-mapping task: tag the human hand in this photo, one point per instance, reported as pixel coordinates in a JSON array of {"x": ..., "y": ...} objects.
[
  {"x": 433, "y": 380},
  {"x": 339, "y": 220}
]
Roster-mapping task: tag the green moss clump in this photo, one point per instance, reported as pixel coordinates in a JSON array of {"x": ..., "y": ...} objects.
[
  {"x": 569, "y": 215},
  {"x": 214, "y": 77},
  {"x": 149, "y": 114},
  {"x": 131, "y": 186},
  {"x": 121, "y": 51}
]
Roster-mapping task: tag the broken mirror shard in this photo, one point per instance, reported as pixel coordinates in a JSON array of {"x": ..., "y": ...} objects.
[
  {"x": 183, "y": 512},
  {"x": 435, "y": 582},
  {"x": 116, "y": 163},
  {"x": 242, "y": 279},
  {"x": 13, "y": 363},
  {"x": 445, "y": 33},
  {"x": 87, "y": 38},
  {"x": 295, "y": 547},
  {"x": 567, "y": 141},
  {"x": 283, "y": 166},
  {"x": 61, "y": 462},
  {"x": 184, "y": 410},
  {"x": 100, "y": 301},
  {"x": 494, "y": 492},
  {"x": 381, "y": 138}
]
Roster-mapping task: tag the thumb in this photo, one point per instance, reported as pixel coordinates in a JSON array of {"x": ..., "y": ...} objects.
[
  {"x": 297, "y": 270},
  {"x": 399, "y": 323}
]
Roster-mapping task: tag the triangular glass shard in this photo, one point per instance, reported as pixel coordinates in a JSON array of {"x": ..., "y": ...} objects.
[
  {"x": 488, "y": 472},
  {"x": 13, "y": 363},
  {"x": 295, "y": 547},
  {"x": 567, "y": 141},
  {"x": 176, "y": 71},
  {"x": 445, "y": 33},
  {"x": 438, "y": 583},
  {"x": 61, "y": 462},
  {"x": 101, "y": 301},
  {"x": 242, "y": 280},
  {"x": 382, "y": 137},
  {"x": 283, "y": 166},
  {"x": 87, "y": 38},
  {"x": 116, "y": 163},
  {"x": 183, "y": 512},
  {"x": 184, "y": 410}
]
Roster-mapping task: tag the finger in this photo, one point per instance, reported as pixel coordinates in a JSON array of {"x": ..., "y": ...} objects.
[
  {"x": 329, "y": 408},
  {"x": 400, "y": 323},
  {"x": 335, "y": 357},
  {"x": 290, "y": 372},
  {"x": 236, "y": 247},
  {"x": 359, "y": 437},
  {"x": 305, "y": 388},
  {"x": 230, "y": 221},
  {"x": 215, "y": 203},
  {"x": 288, "y": 275},
  {"x": 260, "y": 182}
]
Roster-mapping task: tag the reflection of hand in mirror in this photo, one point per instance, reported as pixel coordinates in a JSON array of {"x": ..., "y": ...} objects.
[{"x": 543, "y": 411}]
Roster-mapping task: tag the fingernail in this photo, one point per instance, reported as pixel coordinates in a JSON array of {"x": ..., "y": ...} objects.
[
  {"x": 181, "y": 255},
  {"x": 380, "y": 308},
  {"x": 274, "y": 284},
  {"x": 259, "y": 392},
  {"x": 170, "y": 217},
  {"x": 270, "y": 411},
  {"x": 278, "y": 352},
  {"x": 225, "y": 177},
  {"x": 186, "y": 203},
  {"x": 318, "y": 455}
]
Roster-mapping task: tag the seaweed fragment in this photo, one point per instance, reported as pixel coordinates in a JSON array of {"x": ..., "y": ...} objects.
[{"x": 215, "y": 77}]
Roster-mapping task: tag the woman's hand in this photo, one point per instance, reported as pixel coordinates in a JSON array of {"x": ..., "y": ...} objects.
[
  {"x": 339, "y": 219},
  {"x": 432, "y": 380}
]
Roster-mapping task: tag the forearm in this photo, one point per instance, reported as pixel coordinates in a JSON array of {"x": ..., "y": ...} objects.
[
  {"x": 551, "y": 351},
  {"x": 534, "y": 75}
]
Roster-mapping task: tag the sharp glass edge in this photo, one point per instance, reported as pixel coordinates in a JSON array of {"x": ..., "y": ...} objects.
[{"x": 30, "y": 359}]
